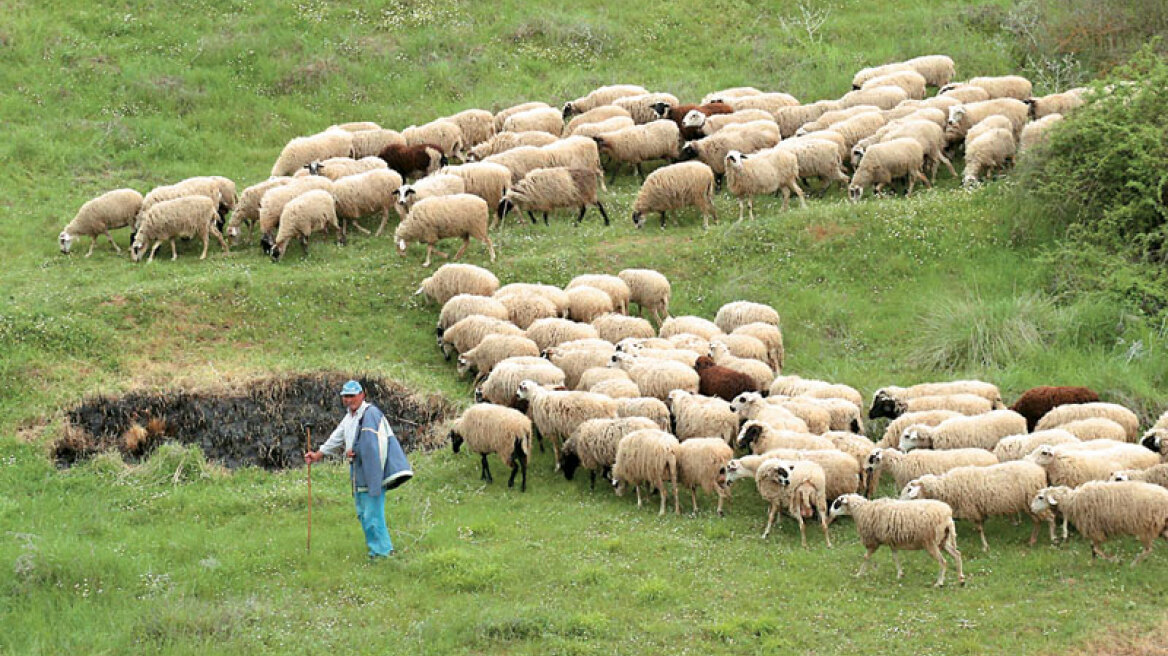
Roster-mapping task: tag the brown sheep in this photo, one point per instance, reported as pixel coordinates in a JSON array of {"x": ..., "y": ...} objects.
[
  {"x": 1037, "y": 401},
  {"x": 722, "y": 382}
]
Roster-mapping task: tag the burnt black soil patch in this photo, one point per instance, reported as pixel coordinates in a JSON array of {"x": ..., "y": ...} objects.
[{"x": 262, "y": 423}]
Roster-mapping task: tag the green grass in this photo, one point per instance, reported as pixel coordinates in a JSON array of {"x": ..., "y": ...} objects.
[{"x": 946, "y": 284}]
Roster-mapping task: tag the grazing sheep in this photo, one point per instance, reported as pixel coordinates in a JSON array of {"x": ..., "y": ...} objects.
[
  {"x": 743, "y": 137},
  {"x": 615, "y": 327},
  {"x": 366, "y": 193},
  {"x": 796, "y": 486},
  {"x": 911, "y": 82},
  {"x": 493, "y": 350},
  {"x": 657, "y": 378},
  {"x": 819, "y": 389},
  {"x": 751, "y": 405},
  {"x": 617, "y": 289},
  {"x": 727, "y": 94},
  {"x": 188, "y": 216},
  {"x": 462, "y": 306},
  {"x": 273, "y": 202},
  {"x": 978, "y": 493},
  {"x": 575, "y": 361},
  {"x": 301, "y": 151},
  {"x": 1074, "y": 411},
  {"x": 427, "y": 187},
  {"x": 790, "y": 119},
  {"x": 764, "y": 173},
  {"x": 673, "y": 187},
  {"x": 856, "y": 446},
  {"x": 1037, "y": 132},
  {"x": 713, "y": 123},
  {"x": 522, "y": 160},
  {"x": 647, "y": 407},
  {"x": 680, "y": 355},
  {"x": 413, "y": 161},
  {"x": 586, "y": 303},
  {"x": 439, "y": 217},
  {"x": 109, "y": 211},
  {"x": 744, "y": 346},
  {"x": 557, "y": 413},
  {"x": 557, "y": 296},
  {"x": 500, "y": 385},
  {"x": 469, "y": 332},
  {"x": 759, "y": 437},
  {"x": 843, "y": 415},
  {"x": 1016, "y": 447},
  {"x": 550, "y": 332},
  {"x": 617, "y": 389},
  {"x": 593, "y": 130},
  {"x": 593, "y": 445},
  {"x": 247, "y": 210},
  {"x": 841, "y": 470},
  {"x": 370, "y": 143},
  {"x": 758, "y": 370},
  {"x": 606, "y": 95},
  {"x": 1037, "y": 401},
  {"x": 817, "y": 158},
  {"x": 1154, "y": 438},
  {"x": 908, "y": 525},
  {"x": 885, "y": 162},
  {"x": 477, "y": 126},
  {"x": 697, "y": 415},
  {"x": 701, "y": 462},
  {"x": 886, "y": 402},
  {"x": 640, "y": 143},
  {"x": 722, "y": 382},
  {"x": 963, "y": 117},
  {"x": 817, "y": 417},
  {"x": 770, "y": 102},
  {"x": 356, "y": 126},
  {"x": 207, "y": 186},
  {"x": 504, "y": 141},
  {"x": 483, "y": 179},
  {"x": 502, "y": 116},
  {"x": 884, "y": 97},
  {"x": 541, "y": 119},
  {"x": 451, "y": 280},
  {"x": 904, "y": 467},
  {"x": 336, "y": 168},
  {"x": 703, "y": 328},
  {"x": 1095, "y": 428},
  {"x": 1075, "y": 464},
  {"x": 1104, "y": 509},
  {"x": 866, "y": 74},
  {"x": 495, "y": 429},
  {"x": 895, "y": 428},
  {"x": 1056, "y": 103},
  {"x": 992, "y": 151},
  {"x": 927, "y": 133},
  {"x": 677, "y": 114},
  {"x": 836, "y": 116},
  {"x": 647, "y": 456},
  {"x": 597, "y": 375},
  {"x": 640, "y": 107},
  {"x": 596, "y": 115},
  {"x": 979, "y": 431},
  {"x": 443, "y": 134},
  {"x": 1005, "y": 86},
  {"x": 525, "y": 308},
  {"x": 548, "y": 189},
  {"x": 732, "y": 316},
  {"x": 1157, "y": 475}
]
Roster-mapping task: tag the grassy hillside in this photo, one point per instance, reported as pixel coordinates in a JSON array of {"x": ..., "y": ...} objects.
[{"x": 947, "y": 284}]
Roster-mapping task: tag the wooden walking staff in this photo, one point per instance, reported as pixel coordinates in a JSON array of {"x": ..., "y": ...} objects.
[{"x": 308, "y": 439}]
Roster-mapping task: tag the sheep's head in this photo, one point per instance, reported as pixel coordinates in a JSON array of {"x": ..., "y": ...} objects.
[
  {"x": 569, "y": 109},
  {"x": 314, "y": 167},
  {"x": 1153, "y": 440},
  {"x": 266, "y": 243},
  {"x": 674, "y": 395},
  {"x": 874, "y": 460},
  {"x": 138, "y": 248},
  {"x": 278, "y": 251},
  {"x": 735, "y": 471},
  {"x": 1048, "y": 498},
  {"x": 1120, "y": 476},
  {"x": 950, "y": 87},
  {"x": 1031, "y": 107},
  {"x": 917, "y": 436},
  {"x": 455, "y": 441},
  {"x": 912, "y": 490},
  {"x": 406, "y": 194},
  {"x": 478, "y": 395},
  {"x": 463, "y": 365},
  {"x": 621, "y": 360},
  {"x": 638, "y": 220},
  {"x": 801, "y": 131},
  {"x": 734, "y": 159},
  {"x": 855, "y": 192},
  {"x": 526, "y": 389},
  {"x": 693, "y": 119},
  {"x": 857, "y": 154},
  {"x": 505, "y": 207},
  {"x": 689, "y": 151},
  {"x": 661, "y": 109},
  {"x": 744, "y": 400},
  {"x": 783, "y": 475},
  {"x": 1043, "y": 455},
  {"x": 956, "y": 114},
  {"x": 569, "y": 460},
  {"x": 703, "y": 363},
  {"x": 844, "y": 505},
  {"x": 885, "y": 405},
  {"x": 750, "y": 432},
  {"x": 66, "y": 241}
]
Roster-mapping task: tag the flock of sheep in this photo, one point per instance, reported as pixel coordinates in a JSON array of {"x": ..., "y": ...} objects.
[
  {"x": 525, "y": 158},
  {"x": 670, "y": 406}
]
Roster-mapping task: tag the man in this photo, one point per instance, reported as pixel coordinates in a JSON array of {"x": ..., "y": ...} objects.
[{"x": 376, "y": 463}]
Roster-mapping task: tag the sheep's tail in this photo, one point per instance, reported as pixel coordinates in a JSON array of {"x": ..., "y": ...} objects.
[
  {"x": 949, "y": 535},
  {"x": 805, "y": 498}
]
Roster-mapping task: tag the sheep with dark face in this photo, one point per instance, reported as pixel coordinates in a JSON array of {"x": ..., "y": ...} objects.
[{"x": 548, "y": 189}]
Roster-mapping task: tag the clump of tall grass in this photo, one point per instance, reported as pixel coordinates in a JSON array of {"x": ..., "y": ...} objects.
[
  {"x": 975, "y": 333},
  {"x": 175, "y": 464}
]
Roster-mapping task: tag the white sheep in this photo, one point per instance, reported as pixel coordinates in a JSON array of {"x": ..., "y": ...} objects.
[
  {"x": 468, "y": 333},
  {"x": 701, "y": 462},
  {"x": 540, "y": 119},
  {"x": 462, "y": 306},
  {"x": 657, "y": 378},
  {"x": 723, "y": 95},
  {"x": 769, "y": 102},
  {"x": 817, "y": 158},
  {"x": 1016, "y": 447},
  {"x": 109, "y": 211},
  {"x": 907, "y": 525},
  {"x": 502, "y": 115},
  {"x": 554, "y": 331},
  {"x": 521, "y": 160},
  {"x": 504, "y": 141},
  {"x": 744, "y": 346},
  {"x": 834, "y": 116},
  {"x": 884, "y": 97},
  {"x": 495, "y": 429},
  {"x": 525, "y": 308},
  {"x": 493, "y": 350},
  {"x": 790, "y": 119},
  {"x": 987, "y": 124},
  {"x": 336, "y": 168},
  {"x": 364, "y": 194},
  {"x": 965, "y": 116},
  {"x": 557, "y": 296},
  {"x": 593, "y": 130},
  {"x": 978, "y": 493},
  {"x": 247, "y": 209},
  {"x": 548, "y": 189},
  {"x": 500, "y": 385},
  {"x": 895, "y": 428},
  {"x": 640, "y": 107},
  {"x": 605, "y": 95},
  {"x": 301, "y": 151},
  {"x": 477, "y": 126},
  {"x": 752, "y": 405},
  {"x": 885, "y": 162},
  {"x": 673, "y": 187},
  {"x": 483, "y": 179},
  {"x": 735, "y": 314},
  {"x": 575, "y": 358},
  {"x": 912, "y": 82},
  {"x": 695, "y": 415},
  {"x": 1037, "y": 132},
  {"x": 816, "y": 389},
  {"x": 758, "y": 370},
  {"x": 979, "y": 431},
  {"x": 557, "y": 413},
  {"x": 647, "y": 407},
  {"x": 431, "y": 219},
  {"x": 273, "y": 201},
  {"x": 647, "y": 456},
  {"x": 1073, "y": 411},
  {"x": 886, "y": 402},
  {"x": 743, "y": 137},
  {"x": 586, "y": 303},
  {"x": 615, "y": 327},
  {"x": 693, "y": 325},
  {"x": 1075, "y": 464},
  {"x": 443, "y": 134},
  {"x": 760, "y": 437},
  {"x": 817, "y": 418},
  {"x": 710, "y": 124},
  {"x": 596, "y": 375},
  {"x": 1056, "y": 103},
  {"x": 371, "y": 143},
  {"x": 1100, "y": 510},
  {"x": 593, "y": 445},
  {"x": 1004, "y": 86},
  {"x": 1095, "y": 428},
  {"x": 617, "y": 289},
  {"x": 991, "y": 151},
  {"x": 766, "y": 172},
  {"x": 596, "y": 115},
  {"x": 451, "y": 280},
  {"x": 1156, "y": 475},
  {"x": 188, "y": 216},
  {"x": 906, "y": 466},
  {"x": 640, "y": 143},
  {"x": 431, "y": 186},
  {"x": 1155, "y": 436}
]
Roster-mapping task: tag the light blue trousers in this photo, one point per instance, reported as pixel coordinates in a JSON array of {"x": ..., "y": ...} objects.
[{"x": 371, "y": 514}]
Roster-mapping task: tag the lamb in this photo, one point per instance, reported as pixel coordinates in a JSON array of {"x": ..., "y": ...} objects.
[
  {"x": 817, "y": 158},
  {"x": 557, "y": 413},
  {"x": 1037, "y": 132},
  {"x": 1056, "y": 103},
  {"x": 109, "y": 211},
  {"x": 1037, "y": 401},
  {"x": 365, "y": 193},
  {"x": 593, "y": 445},
  {"x": 768, "y": 102},
  {"x": 477, "y": 126},
  {"x": 1073, "y": 411},
  {"x": 647, "y": 407},
  {"x": 912, "y": 82},
  {"x": 904, "y": 467},
  {"x": 759, "y": 437},
  {"x": 1016, "y": 447},
  {"x": 550, "y": 332},
  {"x": 301, "y": 151},
  {"x": 640, "y": 107},
  {"x": 1095, "y": 428},
  {"x": 714, "y": 123},
  {"x": 895, "y": 428},
  {"x": 443, "y": 134},
  {"x": 992, "y": 151},
  {"x": 500, "y": 385},
  {"x": 891, "y": 401},
  {"x": 413, "y": 161},
  {"x": 247, "y": 210},
  {"x": 701, "y": 462},
  {"x": 1104, "y": 509},
  {"x": 1157, "y": 475},
  {"x": 596, "y": 115},
  {"x": 751, "y": 405},
  {"x": 542, "y": 119},
  {"x": 758, "y": 370},
  {"x": 980, "y": 431},
  {"x": 673, "y": 187},
  {"x": 525, "y": 308},
  {"x": 188, "y": 216},
  {"x": 978, "y": 493},
  {"x": 884, "y": 162},
  {"x": 428, "y": 187},
  {"x": 470, "y": 332},
  {"x": 462, "y": 306},
  {"x": 647, "y": 456},
  {"x": 483, "y": 179},
  {"x": 451, "y": 280},
  {"x": 370, "y": 143},
  {"x": 909, "y": 525},
  {"x": 703, "y": 328},
  {"x": 797, "y": 486},
  {"x": 696, "y": 415},
  {"x": 964, "y": 117},
  {"x": 431, "y": 219},
  {"x": 504, "y": 141},
  {"x": 657, "y": 378},
  {"x": 502, "y": 116},
  {"x": 743, "y": 137},
  {"x": 495, "y": 429},
  {"x": 722, "y": 382},
  {"x": 493, "y": 350},
  {"x": 615, "y": 327},
  {"x": 640, "y": 143},
  {"x": 548, "y": 189},
  {"x": 273, "y": 202},
  {"x": 765, "y": 173},
  {"x": 1073, "y": 465},
  {"x": 606, "y": 95},
  {"x": 732, "y": 316},
  {"x": 884, "y": 97},
  {"x": 336, "y": 168}
]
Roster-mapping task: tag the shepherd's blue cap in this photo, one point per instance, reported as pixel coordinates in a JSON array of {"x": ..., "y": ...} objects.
[{"x": 351, "y": 387}]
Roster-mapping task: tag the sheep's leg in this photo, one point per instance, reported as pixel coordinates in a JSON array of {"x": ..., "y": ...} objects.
[
  {"x": 640, "y": 175},
  {"x": 429, "y": 251},
  {"x": 154, "y": 250},
  {"x": 786, "y": 199},
  {"x": 615, "y": 169},
  {"x": 490, "y": 247},
  {"x": 936, "y": 554},
  {"x": 603, "y": 214},
  {"x": 1147, "y": 542},
  {"x": 531, "y": 215},
  {"x": 462, "y": 249},
  {"x": 798, "y": 515},
  {"x": 514, "y": 469},
  {"x": 721, "y": 500},
  {"x": 358, "y": 226},
  {"x": 823, "y": 523},
  {"x": 896, "y": 561},
  {"x": 1064, "y": 528},
  {"x": 949, "y": 165},
  {"x": 921, "y": 176},
  {"x": 985, "y": 546},
  {"x": 950, "y": 545},
  {"x": 774, "y": 510},
  {"x": 637, "y": 487},
  {"x": 111, "y": 241},
  {"x": 592, "y": 480},
  {"x": 1097, "y": 552},
  {"x": 663, "y": 218},
  {"x": 91, "y": 245},
  {"x": 523, "y": 469},
  {"x": 206, "y": 241},
  {"x": 545, "y": 220},
  {"x": 304, "y": 245},
  {"x": 483, "y": 468},
  {"x": 384, "y": 220},
  {"x": 664, "y": 492},
  {"x": 693, "y": 495},
  {"x": 741, "y": 210},
  {"x": 173, "y": 250},
  {"x": 580, "y": 216},
  {"x": 750, "y": 206},
  {"x": 868, "y": 558}
]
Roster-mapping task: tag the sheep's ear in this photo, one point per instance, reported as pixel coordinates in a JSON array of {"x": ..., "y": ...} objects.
[{"x": 1051, "y": 500}]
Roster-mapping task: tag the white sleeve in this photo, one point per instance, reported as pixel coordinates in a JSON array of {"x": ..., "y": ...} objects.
[{"x": 332, "y": 446}]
